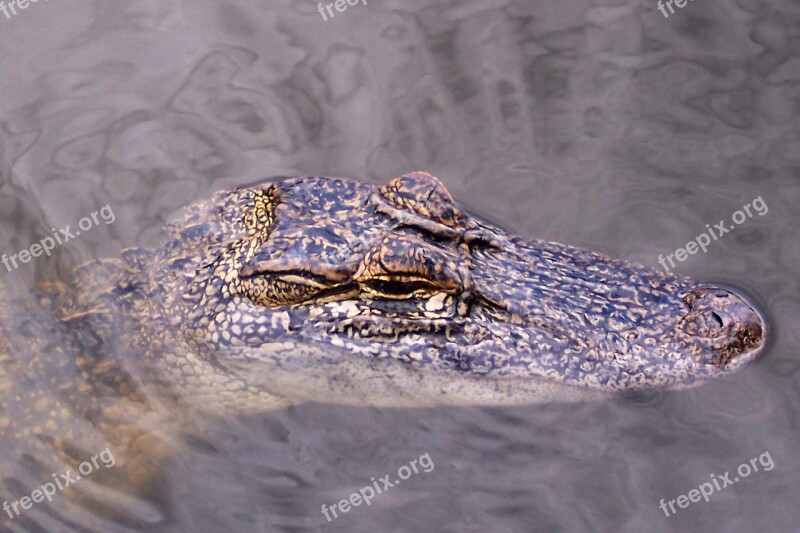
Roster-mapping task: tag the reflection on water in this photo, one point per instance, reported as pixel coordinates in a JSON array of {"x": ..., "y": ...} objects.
[{"x": 608, "y": 127}]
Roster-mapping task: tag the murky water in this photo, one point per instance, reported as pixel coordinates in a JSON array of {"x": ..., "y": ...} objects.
[{"x": 600, "y": 124}]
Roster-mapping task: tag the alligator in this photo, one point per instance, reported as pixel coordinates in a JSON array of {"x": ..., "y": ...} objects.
[{"x": 318, "y": 289}]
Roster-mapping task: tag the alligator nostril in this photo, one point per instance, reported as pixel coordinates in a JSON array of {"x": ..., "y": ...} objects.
[{"x": 717, "y": 318}]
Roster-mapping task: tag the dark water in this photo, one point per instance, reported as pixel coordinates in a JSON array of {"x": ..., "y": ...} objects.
[{"x": 598, "y": 124}]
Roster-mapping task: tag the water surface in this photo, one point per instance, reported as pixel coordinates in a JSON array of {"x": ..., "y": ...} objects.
[{"x": 600, "y": 124}]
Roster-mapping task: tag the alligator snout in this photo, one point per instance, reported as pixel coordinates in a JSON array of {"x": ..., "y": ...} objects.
[{"x": 723, "y": 322}]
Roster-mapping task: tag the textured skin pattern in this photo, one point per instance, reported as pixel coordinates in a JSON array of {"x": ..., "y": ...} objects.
[
  {"x": 324, "y": 289},
  {"x": 401, "y": 272}
]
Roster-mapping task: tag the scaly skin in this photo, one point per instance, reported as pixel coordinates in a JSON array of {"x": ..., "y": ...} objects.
[{"x": 324, "y": 289}]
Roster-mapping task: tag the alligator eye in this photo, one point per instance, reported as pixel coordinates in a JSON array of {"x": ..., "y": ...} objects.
[
  {"x": 399, "y": 289},
  {"x": 277, "y": 289},
  {"x": 273, "y": 291}
]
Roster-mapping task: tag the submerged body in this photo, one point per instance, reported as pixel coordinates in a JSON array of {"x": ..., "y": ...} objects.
[{"x": 331, "y": 290}]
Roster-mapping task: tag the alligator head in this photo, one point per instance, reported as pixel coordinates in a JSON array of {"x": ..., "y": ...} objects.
[{"x": 331, "y": 289}]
